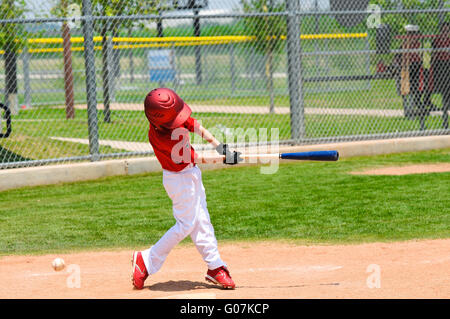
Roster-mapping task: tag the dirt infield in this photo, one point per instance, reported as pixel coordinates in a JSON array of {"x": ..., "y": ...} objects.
[
  {"x": 413, "y": 269},
  {"x": 406, "y": 170}
]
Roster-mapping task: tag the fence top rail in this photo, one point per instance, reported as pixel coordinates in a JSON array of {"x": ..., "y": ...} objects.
[
  {"x": 225, "y": 38},
  {"x": 153, "y": 42},
  {"x": 185, "y": 44},
  {"x": 221, "y": 15}
]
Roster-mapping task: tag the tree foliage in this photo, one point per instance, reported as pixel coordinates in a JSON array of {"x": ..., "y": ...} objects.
[
  {"x": 12, "y": 35},
  {"x": 112, "y": 8},
  {"x": 267, "y": 30},
  {"x": 269, "y": 34},
  {"x": 427, "y": 22}
]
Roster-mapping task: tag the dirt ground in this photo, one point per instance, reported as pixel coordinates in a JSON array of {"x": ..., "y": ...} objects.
[
  {"x": 412, "y": 269},
  {"x": 407, "y": 169}
]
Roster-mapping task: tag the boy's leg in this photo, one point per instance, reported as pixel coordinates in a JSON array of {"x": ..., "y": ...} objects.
[
  {"x": 179, "y": 187},
  {"x": 205, "y": 241},
  {"x": 203, "y": 232}
]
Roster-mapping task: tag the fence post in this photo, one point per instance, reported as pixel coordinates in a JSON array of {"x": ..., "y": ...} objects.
[
  {"x": 131, "y": 58},
  {"x": 232, "y": 68},
  {"x": 317, "y": 31},
  {"x": 369, "y": 82},
  {"x": 209, "y": 76},
  {"x": 252, "y": 66},
  {"x": 198, "y": 49},
  {"x": 26, "y": 76},
  {"x": 91, "y": 90},
  {"x": 441, "y": 14},
  {"x": 111, "y": 70},
  {"x": 160, "y": 32},
  {"x": 295, "y": 71}
]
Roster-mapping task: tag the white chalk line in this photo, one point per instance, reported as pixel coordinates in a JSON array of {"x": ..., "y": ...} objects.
[
  {"x": 436, "y": 261},
  {"x": 47, "y": 274}
]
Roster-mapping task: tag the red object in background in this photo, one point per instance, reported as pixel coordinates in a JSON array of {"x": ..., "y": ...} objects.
[
  {"x": 381, "y": 67},
  {"x": 421, "y": 80}
]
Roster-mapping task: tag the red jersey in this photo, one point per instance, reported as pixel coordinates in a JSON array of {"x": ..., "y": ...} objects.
[{"x": 172, "y": 147}]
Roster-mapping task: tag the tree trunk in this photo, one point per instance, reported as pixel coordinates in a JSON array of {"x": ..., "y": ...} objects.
[
  {"x": 115, "y": 66},
  {"x": 198, "y": 49},
  {"x": 116, "y": 54},
  {"x": 68, "y": 72},
  {"x": 106, "y": 77},
  {"x": 11, "y": 78}
]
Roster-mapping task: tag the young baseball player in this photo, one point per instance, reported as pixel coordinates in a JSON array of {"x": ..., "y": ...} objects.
[{"x": 170, "y": 123}]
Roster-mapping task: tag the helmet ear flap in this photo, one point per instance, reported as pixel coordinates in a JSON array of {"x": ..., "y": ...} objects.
[{"x": 159, "y": 127}]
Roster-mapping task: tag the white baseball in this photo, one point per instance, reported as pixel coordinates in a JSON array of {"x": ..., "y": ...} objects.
[{"x": 58, "y": 264}]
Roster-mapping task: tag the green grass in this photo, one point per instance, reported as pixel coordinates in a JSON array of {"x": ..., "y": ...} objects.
[{"x": 303, "y": 202}]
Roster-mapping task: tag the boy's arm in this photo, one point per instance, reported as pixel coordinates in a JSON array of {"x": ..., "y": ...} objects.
[
  {"x": 207, "y": 136},
  {"x": 230, "y": 157}
]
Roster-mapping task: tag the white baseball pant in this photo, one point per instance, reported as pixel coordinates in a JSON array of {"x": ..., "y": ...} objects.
[{"x": 185, "y": 189}]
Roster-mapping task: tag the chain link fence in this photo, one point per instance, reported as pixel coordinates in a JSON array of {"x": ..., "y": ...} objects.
[{"x": 75, "y": 74}]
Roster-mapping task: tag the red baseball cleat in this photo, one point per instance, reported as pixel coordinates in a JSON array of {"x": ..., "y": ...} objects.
[
  {"x": 220, "y": 276},
  {"x": 139, "y": 272}
]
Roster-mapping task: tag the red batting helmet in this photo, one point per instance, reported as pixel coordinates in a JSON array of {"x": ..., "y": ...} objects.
[{"x": 163, "y": 107}]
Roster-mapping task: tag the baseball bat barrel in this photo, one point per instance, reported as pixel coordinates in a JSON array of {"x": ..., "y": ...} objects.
[{"x": 329, "y": 156}]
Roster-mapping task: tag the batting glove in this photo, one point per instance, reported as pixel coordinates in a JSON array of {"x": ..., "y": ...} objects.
[{"x": 231, "y": 158}]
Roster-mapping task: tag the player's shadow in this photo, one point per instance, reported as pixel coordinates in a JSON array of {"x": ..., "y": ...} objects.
[
  {"x": 290, "y": 286},
  {"x": 181, "y": 285},
  {"x": 184, "y": 285}
]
